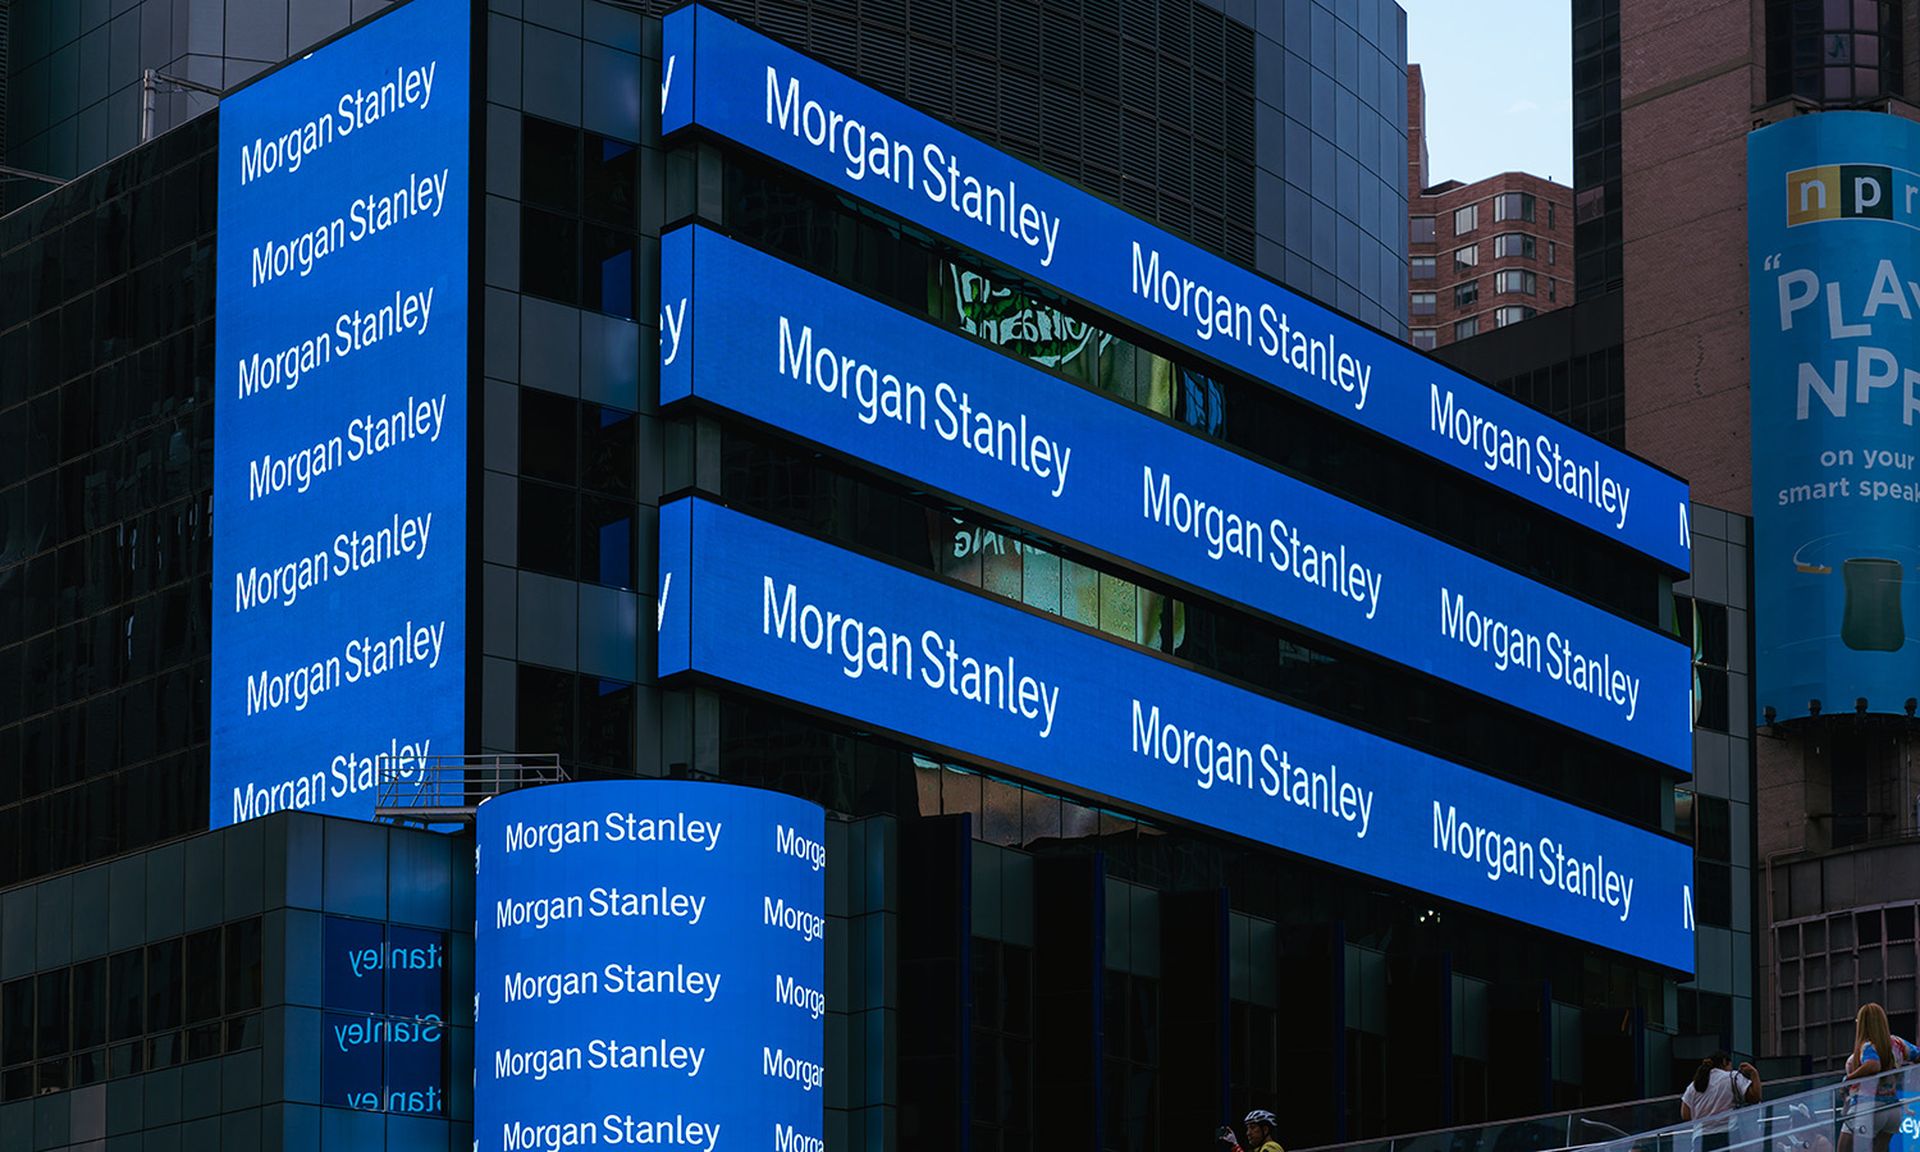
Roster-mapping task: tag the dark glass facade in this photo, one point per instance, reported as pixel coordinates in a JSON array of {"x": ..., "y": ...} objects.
[
  {"x": 1596, "y": 149},
  {"x": 1010, "y": 967},
  {"x": 294, "y": 982},
  {"x": 106, "y": 369},
  {"x": 70, "y": 72}
]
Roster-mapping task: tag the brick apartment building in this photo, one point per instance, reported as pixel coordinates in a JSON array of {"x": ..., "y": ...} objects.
[
  {"x": 1482, "y": 255},
  {"x": 1807, "y": 833},
  {"x": 1835, "y": 810}
]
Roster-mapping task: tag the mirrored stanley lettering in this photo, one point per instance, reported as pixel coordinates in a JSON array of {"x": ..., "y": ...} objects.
[{"x": 388, "y": 1030}]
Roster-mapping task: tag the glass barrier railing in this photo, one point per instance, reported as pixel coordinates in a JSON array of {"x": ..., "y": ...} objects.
[
  {"x": 1611, "y": 1128},
  {"x": 1873, "y": 1114}
]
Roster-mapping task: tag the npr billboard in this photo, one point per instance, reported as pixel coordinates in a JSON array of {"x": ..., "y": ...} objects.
[{"x": 1834, "y": 264}]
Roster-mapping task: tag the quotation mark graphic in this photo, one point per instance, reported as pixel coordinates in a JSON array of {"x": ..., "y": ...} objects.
[{"x": 1771, "y": 264}]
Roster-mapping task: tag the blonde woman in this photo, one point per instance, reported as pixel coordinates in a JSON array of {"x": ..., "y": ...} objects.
[{"x": 1876, "y": 1109}]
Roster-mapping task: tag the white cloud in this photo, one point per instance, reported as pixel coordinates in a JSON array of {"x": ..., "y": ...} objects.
[{"x": 1521, "y": 107}]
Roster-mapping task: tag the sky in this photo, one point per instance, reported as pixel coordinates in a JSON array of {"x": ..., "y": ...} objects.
[{"x": 1499, "y": 78}]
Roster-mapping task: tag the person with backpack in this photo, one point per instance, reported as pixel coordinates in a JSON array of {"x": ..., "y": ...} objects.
[{"x": 1717, "y": 1089}]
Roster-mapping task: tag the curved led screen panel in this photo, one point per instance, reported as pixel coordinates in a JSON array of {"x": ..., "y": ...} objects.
[
  {"x": 649, "y": 967},
  {"x": 720, "y": 76},
  {"x": 817, "y": 360},
  {"x": 797, "y": 619}
]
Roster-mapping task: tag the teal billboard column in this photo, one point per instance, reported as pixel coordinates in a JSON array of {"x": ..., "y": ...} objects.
[
  {"x": 1834, "y": 256},
  {"x": 649, "y": 968}
]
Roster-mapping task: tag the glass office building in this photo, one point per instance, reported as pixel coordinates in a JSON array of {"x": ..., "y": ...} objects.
[{"x": 1013, "y": 961}]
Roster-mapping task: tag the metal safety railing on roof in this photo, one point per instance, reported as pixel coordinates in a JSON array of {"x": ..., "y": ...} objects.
[{"x": 434, "y": 791}]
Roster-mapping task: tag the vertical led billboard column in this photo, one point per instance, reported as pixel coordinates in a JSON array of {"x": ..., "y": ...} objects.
[
  {"x": 649, "y": 963},
  {"x": 340, "y": 443},
  {"x": 1834, "y": 230}
]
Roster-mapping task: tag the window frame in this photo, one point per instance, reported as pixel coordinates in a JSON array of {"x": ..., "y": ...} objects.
[
  {"x": 1525, "y": 207},
  {"x": 1503, "y": 282},
  {"x": 1503, "y": 244}
]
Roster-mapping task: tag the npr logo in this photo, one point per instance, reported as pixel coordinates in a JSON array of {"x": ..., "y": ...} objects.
[{"x": 1852, "y": 192}]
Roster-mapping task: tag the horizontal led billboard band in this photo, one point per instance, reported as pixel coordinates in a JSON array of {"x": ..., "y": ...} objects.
[
  {"x": 772, "y": 342},
  {"x": 1833, "y": 257},
  {"x": 649, "y": 968},
  {"x": 340, "y": 444},
  {"x": 764, "y": 96},
  {"x": 760, "y": 607}
]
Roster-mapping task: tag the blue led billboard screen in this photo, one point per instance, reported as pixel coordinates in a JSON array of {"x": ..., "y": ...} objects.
[
  {"x": 340, "y": 443},
  {"x": 1834, "y": 250},
  {"x": 650, "y": 967},
  {"x": 731, "y": 81},
  {"x": 768, "y": 610},
  {"x": 817, "y": 360}
]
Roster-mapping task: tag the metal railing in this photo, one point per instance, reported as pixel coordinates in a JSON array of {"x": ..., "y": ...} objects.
[
  {"x": 1579, "y": 1128},
  {"x": 435, "y": 791},
  {"x": 1863, "y": 1115}
]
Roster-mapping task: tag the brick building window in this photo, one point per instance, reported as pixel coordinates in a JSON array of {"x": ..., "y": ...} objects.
[
  {"x": 1422, "y": 231},
  {"x": 1467, "y": 257},
  {"x": 1512, "y": 314},
  {"x": 1513, "y": 206},
  {"x": 1517, "y": 244},
  {"x": 1466, "y": 219},
  {"x": 1835, "y": 52},
  {"x": 1425, "y": 303},
  {"x": 1425, "y": 268},
  {"x": 1514, "y": 281},
  {"x": 1465, "y": 328},
  {"x": 1426, "y": 339},
  {"x": 1466, "y": 295}
]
